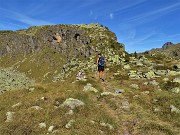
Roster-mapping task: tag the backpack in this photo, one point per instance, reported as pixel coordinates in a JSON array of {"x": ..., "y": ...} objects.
[{"x": 101, "y": 61}]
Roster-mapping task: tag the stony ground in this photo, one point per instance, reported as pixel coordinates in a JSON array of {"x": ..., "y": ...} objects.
[{"x": 139, "y": 96}]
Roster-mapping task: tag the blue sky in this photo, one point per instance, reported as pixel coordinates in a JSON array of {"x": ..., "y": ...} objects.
[{"x": 139, "y": 24}]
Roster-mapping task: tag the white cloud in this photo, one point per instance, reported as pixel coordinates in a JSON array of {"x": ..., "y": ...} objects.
[
  {"x": 132, "y": 34},
  {"x": 153, "y": 14},
  {"x": 22, "y": 18},
  {"x": 91, "y": 13},
  {"x": 111, "y": 15}
]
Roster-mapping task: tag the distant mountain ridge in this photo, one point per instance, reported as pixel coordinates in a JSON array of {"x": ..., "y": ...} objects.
[{"x": 168, "y": 50}]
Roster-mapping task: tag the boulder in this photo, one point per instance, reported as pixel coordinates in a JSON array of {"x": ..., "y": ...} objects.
[
  {"x": 161, "y": 72},
  {"x": 173, "y": 73},
  {"x": 72, "y": 103},
  {"x": 89, "y": 88},
  {"x": 119, "y": 91},
  {"x": 127, "y": 66},
  {"x": 125, "y": 105},
  {"x": 177, "y": 80},
  {"x": 50, "y": 129},
  {"x": 36, "y": 108},
  {"x": 108, "y": 93},
  {"x": 42, "y": 125},
  {"x": 103, "y": 124},
  {"x": 175, "y": 90},
  {"x": 150, "y": 75},
  {"x": 134, "y": 86},
  {"x": 9, "y": 116},
  {"x": 16, "y": 105},
  {"x": 70, "y": 124},
  {"x": 174, "y": 109}
]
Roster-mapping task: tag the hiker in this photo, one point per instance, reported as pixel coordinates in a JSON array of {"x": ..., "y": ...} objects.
[{"x": 101, "y": 63}]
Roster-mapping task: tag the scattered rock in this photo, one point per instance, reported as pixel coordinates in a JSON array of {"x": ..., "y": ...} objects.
[
  {"x": 125, "y": 105},
  {"x": 166, "y": 79},
  {"x": 50, "y": 129},
  {"x": 177, "y": 80},
  {"x": 154, "y": 83},
  {"x": 16, "y": 105},
  {"x": 161, "y": 72},
  {"x": 92, "y": 122},
  {"x": 12, "y": 79},
  {"x": 108, "y": 93},
  {"x": 119, "y": 91},
  {"x": 126, "y": 132},
  {"x": 138, "y": 63},
  {"x": 157, "y": 109},
  {"x": 71, "y": 112},
  {"x": 146, "y": 92},
  {"x": 42, "y": 125},
  {"x": 31, "y": 89},
  {"x": 72, "y": 103},
  {"x": 43, "y": 98},
  {"x": 103, "y": 124},
  {"x": 174, "y": 109},
  {"x": 150, "y": 75},
  {"x": 69, "y": 124},
  {"x": 173, "y": 73},
  {"x": 177, "y": 67},
  {"x": 135, "y": 96},
  {"x": 89, "y": 87},
  {"x": 36, "y": 108},
  {"x": 127, "y": 67},
  {"x": 134, "y": 86},
  {"x": 9, "y": 116},
  {"x": 175, "y": 90}
]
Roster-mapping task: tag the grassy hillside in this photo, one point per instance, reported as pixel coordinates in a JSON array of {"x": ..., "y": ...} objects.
[{"x": 47, "y": 92}]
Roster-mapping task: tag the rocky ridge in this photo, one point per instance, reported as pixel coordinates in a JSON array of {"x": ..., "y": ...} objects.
[{"x": 169, "y": 50}]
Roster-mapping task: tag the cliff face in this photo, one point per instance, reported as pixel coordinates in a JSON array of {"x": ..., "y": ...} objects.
[
  {"x": 70, "y": 40},
  {"x": 58, "y": 50}
]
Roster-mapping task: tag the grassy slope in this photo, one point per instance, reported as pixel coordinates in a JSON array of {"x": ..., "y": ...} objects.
[{"x": 140, "y": 119}]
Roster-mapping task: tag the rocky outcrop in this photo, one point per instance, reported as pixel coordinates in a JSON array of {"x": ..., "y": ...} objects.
[
  {"x": 70, "y": 40},
  {"x": 167, "y": 45}
]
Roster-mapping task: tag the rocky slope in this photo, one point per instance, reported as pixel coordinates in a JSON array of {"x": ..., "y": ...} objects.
[
  {"x": 168, "y": 50},
  {"x": 49, "y": 85}
]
